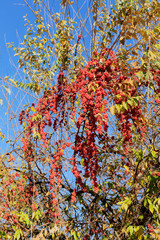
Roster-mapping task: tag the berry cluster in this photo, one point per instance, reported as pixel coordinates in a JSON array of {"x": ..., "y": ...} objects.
[{"x": 86, "y": 101}]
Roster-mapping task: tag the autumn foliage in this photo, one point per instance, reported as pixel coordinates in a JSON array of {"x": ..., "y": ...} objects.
[{"x": 89, "y": 149}]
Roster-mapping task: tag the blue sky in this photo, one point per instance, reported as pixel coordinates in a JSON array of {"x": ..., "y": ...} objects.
[{"x": 11, "y": 30}]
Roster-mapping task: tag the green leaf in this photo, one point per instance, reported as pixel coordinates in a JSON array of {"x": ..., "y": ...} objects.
[
  {"x": 136, "y": 228},
  {"x": 136, "y": 100},
  {"x": 151, "y": 208},
  {"x": 118, "y": 107},
  {"x": 150, "y": 205},
  {"x": 154, "y": 154},
  {"x": 145, "y": 201},
  {"x": 139, "y": 154},
  {"x": 76, "y": 235},
  {"x": 82, "y": 161},
  {"x": 125, "y": 204},
  {"x": 18, "y": 234},
  {"x": 139, "y": 74},
  {"x": 2, "y": 234},
  {"x": 141, "y": 217},
  {"x": 38, "y": 215},
  {"x": 140, "y": 233},
  {"x": 125, "y": 105},
  {"x": 130, "y": 101},
  {"x": 149, "y": 201},
  {"x": 33, "y": 109},
  {"x": 24, "y": 218},
  {"x": 130, "y": 229}
]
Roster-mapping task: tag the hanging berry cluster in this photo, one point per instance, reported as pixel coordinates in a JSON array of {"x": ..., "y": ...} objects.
[{"x": 86, "y": 101}]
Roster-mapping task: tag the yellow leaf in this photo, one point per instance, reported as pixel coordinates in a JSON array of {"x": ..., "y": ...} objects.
[
  {"x": 6, "y": 78},
  {"x": 41, "y": 46},
  {"x": 40, "y": 26},
  {"x": 44, "y": 40},
  {"x": 104, "y": 226},
  {"x": 102, "y": 108},
  {"x": 112, "y": 109},
  {"x": 155, "y": 236},
  {"x": 127, "y": 168},
  {"x": 47, "y": 194},
  {"x": 152, "y": 55},
  {"x": 139, "y": 74}
]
